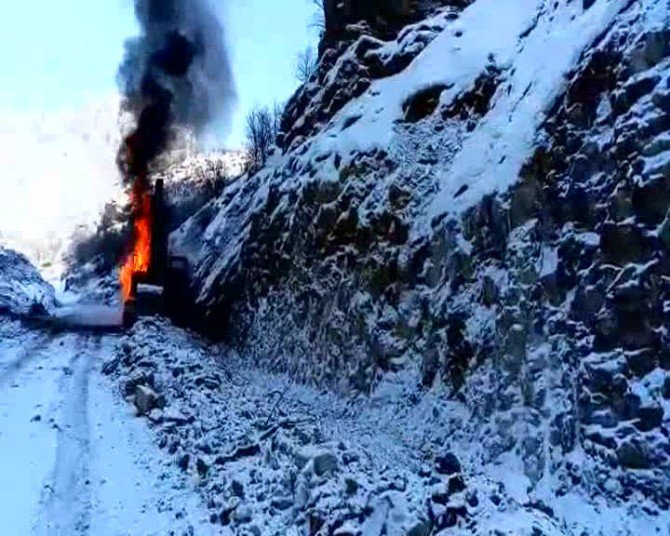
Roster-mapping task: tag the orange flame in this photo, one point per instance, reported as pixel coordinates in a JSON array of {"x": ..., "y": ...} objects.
[{"x": 139, "y": 260}]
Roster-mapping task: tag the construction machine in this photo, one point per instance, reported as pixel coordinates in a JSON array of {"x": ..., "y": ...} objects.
[{"x": 164, "y": 288}]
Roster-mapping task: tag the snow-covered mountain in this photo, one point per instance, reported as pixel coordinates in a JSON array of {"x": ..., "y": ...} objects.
[{"x": 479, "y": 206}]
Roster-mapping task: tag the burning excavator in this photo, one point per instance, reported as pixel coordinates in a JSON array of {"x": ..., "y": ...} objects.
[
  {"x": 151, "y": 280},
  {"x": 175, "y": 73}
]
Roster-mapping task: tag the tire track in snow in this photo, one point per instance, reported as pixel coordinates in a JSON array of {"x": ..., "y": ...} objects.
[
  {"x": 29, "y": 353},
  {"x": 27, "y": 437},
  {"x": 74, "y": 460},
  {"x": 65, "y": 504}
]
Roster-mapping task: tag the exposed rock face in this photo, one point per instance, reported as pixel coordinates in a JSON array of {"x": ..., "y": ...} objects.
[{"x": 509, "y": 237}]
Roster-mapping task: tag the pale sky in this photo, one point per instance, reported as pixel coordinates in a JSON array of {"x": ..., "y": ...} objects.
[{"x": 62, "y": 54}]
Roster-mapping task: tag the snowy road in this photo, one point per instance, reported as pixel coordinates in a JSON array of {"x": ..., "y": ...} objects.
[
  {"x": 73, "y": 458},
  {"x": 237, "y": 450}
]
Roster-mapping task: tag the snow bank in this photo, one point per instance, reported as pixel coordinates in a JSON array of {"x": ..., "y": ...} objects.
[{"x": 21, "y": 286}]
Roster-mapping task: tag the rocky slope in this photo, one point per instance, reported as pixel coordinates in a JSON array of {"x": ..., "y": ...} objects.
[
  {"x": 482, "y": 200},
  {"x": 273, "y": 457},
  {"x": 22, "y": 289}
]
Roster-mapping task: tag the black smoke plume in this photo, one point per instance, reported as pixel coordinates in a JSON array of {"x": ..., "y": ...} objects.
[{"x": 176, "y": 73}]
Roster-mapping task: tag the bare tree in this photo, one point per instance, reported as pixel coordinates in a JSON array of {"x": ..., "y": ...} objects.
[
  {"x": 277, "y": 112},
  {"x": 263, "y": 124},
  {"x": 306, "y": 64},
  {"x": 213, "y": 174},
  {"x": 319, "y": 18}
]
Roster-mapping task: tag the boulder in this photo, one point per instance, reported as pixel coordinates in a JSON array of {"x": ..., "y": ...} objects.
[
  {"x": 514, "y": 346},
  {"x": 237, "y": 488},
  {"x": 650, "y": 49},
  {"x": 202, "y": 467},
  {"x": 649, "y": 417},
  {"x": 490, "y": 291},
  {"x": 155, "y": 416},
  {"x": 664, "y": 231},
  {"x": 447, "y": 464},
  {"x": 421, "y": 528},
  {"x": 633, "y": 455},
  {"x": 184, "y": 461},
  {"x": 651, "y": 199},
  {"x": 621, "y": 244},
  {"x": 136, "y": 379},
  {"x": 456, "y": 484},
  {"x": 174, "y": 416},
  {"x": 110, "y": 365},
  {"x": 145, "y": 400},
  {"x": 641, "y": 362},
  {"x": 243, "y": 514},
  {"x": 325, "y": 463},
  {"x": 282, "y": 503}
]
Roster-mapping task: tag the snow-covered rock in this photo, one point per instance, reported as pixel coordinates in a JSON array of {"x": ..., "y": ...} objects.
[
  {"x": 270, "y": 453},
  {"x": 492, "y": 217},
  {"x": 22, "y": 289},
  {"x": 145, "y": 399},
  {"x": 195, "y": 178}
]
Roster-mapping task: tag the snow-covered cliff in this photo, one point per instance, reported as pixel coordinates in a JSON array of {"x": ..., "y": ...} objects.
[{"x": 482, "y": 202}]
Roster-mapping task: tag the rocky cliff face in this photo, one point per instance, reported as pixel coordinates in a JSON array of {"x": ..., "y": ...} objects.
[{"x": 483, "y": 199}]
